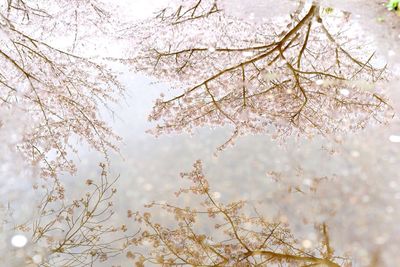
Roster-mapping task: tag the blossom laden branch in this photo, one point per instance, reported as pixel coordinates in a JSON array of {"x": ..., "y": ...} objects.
[
  {"x": 62, "y": 91},
  {"x": 78, "y": 232},
  {"x": 304, "y": 79},
  {"x": 230, "y": 238}
]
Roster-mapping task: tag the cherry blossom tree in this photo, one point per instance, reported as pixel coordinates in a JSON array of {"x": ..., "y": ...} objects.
[
  {"x": 297, "y": 74},
  {"x": 52, "y": 87},
  {"x": 238, "y": 238},
  {"x": 46, "y": 75}
]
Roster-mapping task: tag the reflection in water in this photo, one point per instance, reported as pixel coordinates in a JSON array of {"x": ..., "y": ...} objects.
[{"x": 335, "y": 195}]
